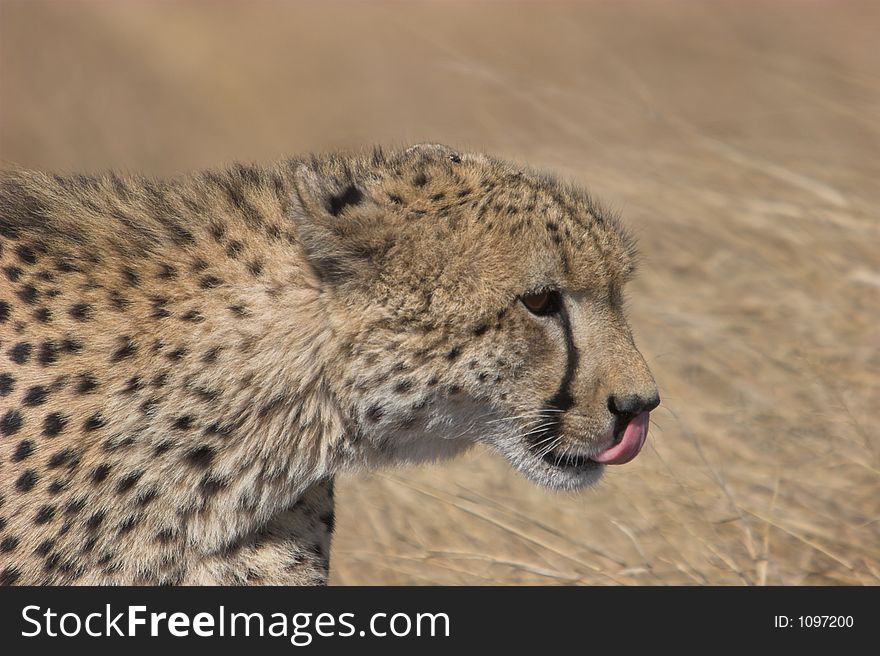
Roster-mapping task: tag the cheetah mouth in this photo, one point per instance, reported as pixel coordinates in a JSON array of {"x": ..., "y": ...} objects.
[
  {"x": 627, "y": 439},
  {"x": 563, "y": 460}
]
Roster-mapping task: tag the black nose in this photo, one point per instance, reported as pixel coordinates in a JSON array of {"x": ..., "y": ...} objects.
[{"x": 630, "y": 405}]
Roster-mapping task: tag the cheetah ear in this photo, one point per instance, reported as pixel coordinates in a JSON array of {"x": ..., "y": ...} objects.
[
  {"x": 335, "y": 243},
  {"x": 434, "y": 149}
]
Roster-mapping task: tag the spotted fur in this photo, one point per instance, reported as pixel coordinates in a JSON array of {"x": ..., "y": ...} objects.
[{"x": 186, "y": 364}]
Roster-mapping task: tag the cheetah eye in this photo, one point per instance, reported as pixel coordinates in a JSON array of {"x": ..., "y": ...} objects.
[{"x": 543, "y": 303}]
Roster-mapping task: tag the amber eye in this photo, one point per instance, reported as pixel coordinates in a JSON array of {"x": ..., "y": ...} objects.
[{"x": 543, "y": 303}]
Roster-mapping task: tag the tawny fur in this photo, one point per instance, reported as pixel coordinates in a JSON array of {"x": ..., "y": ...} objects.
[{"x": 186, "y": 364}]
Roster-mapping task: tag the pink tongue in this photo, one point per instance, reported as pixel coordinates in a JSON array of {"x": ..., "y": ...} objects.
[{"x": 633, "y": 440}]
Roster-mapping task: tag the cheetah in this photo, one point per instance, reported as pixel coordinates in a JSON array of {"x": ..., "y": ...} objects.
[{"x": 186, "y": 364}]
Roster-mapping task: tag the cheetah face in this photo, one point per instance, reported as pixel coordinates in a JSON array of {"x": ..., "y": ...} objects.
[{"x": 482, "y": 304}]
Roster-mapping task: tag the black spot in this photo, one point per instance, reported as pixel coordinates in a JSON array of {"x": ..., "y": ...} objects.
[
  {"x": 218, "y": 429},
  {"x": 453, "y": 353},
  {"x": 9, "y": 544},
  {"x": 183, "y": 423},
  {"x": 126, "y": 349},
  {"x": 148, "y": 406},
  {"x": 20, "y": 353},
  {"x": 176, "y": 354},
  {"x": 212, "y": 484},
  {"x": 201, "y": 456},
  {"x": 65, "y": 266},
  {"x": 165, "y": 535},
  {"x": 128, "y": 481},
  {"x": 43, "y": 315},
  {"x": 375, "y": 412},
  {"x": 4, "y": 311},
  {"x": 7, "y": 384},
  {"x": 159, "y": 309},
  {"x": 36, "y": 395},
  {"x": 23, "y": 450},
  {"x": 45, "y": 547},
  {"x": 89, "y": 544},
  {"x": 81, "y": 312},
  {"x": 115, "y": 442},
  {"x": 44, "y": 514},
  {"x": 53, "y": 424},
  {"x": 193, "y": 316},
  {"x": 210, "y": 282},
  {"x": 163, "y": 447},
  {"x": 239, "y": 310},
  {"x": 131, "y": 278},
  {"x": 11, "y": 422},
  {"x": 351, "y": 195},
  {"x": 255, "y": 267},
  {"x": 71, "y": 344},
  {"x": 58, "y": 486},
  {"x": 12, "y": 272},
  {"x": 403, "y": 386},
  {"x": 87, "y": 383},
  {"x": 95, "y": 520},
  {"x": 118, "y": 301},
  {"x": 100, "y": 473},
  {"x": 421, "y": 179},
  {"x": 218, "y": 231},
  {"x": 168, "y": 272},
  {"x": 9, "y": 575},
  {"x": 74, "y": 506},
  {"x": 28, "y": 294},
  {"x": 134, "y": 384},
  {"x": 482, "y": 328},
  {"x": 94, "y": 422},
  {"x": 159, "y": 380},
  {"x": 211, "y": 355},
  {"x": 48, "y": 353},
  {"x": 146, "y": 496},
  {"x": 127, "y": 524},
  {"x": 199, "y": 265},
  {"x": 234, "y": 249},
  {"x": 207, "y": 395},
  {"x": 61, "y": 457}
]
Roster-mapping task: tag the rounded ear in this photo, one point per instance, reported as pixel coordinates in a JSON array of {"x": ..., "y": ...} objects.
[
  {"x": 434, "y": 149},
  {"x": 335, "y": 244}
]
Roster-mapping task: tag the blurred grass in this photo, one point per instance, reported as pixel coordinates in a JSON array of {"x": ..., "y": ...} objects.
[{"x": 739, "y": 141}]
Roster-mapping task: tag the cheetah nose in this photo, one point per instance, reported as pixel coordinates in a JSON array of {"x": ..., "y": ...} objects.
[{"x": 626, "y": 406}]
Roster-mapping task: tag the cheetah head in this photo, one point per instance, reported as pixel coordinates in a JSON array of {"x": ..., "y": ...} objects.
[{"x": 475, "y": 302}]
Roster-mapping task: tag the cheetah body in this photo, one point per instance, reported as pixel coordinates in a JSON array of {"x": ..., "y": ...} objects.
[{"x": 185, "y": 365}]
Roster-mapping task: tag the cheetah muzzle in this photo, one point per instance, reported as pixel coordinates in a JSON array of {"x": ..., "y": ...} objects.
[{"x": 186, "y": 364}]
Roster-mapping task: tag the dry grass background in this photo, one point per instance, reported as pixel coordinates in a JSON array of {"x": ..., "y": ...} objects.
[{"x": 739, "y": 140}]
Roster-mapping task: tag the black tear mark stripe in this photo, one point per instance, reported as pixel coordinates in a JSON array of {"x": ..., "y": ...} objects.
[{"x": 562, "y": 399}]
